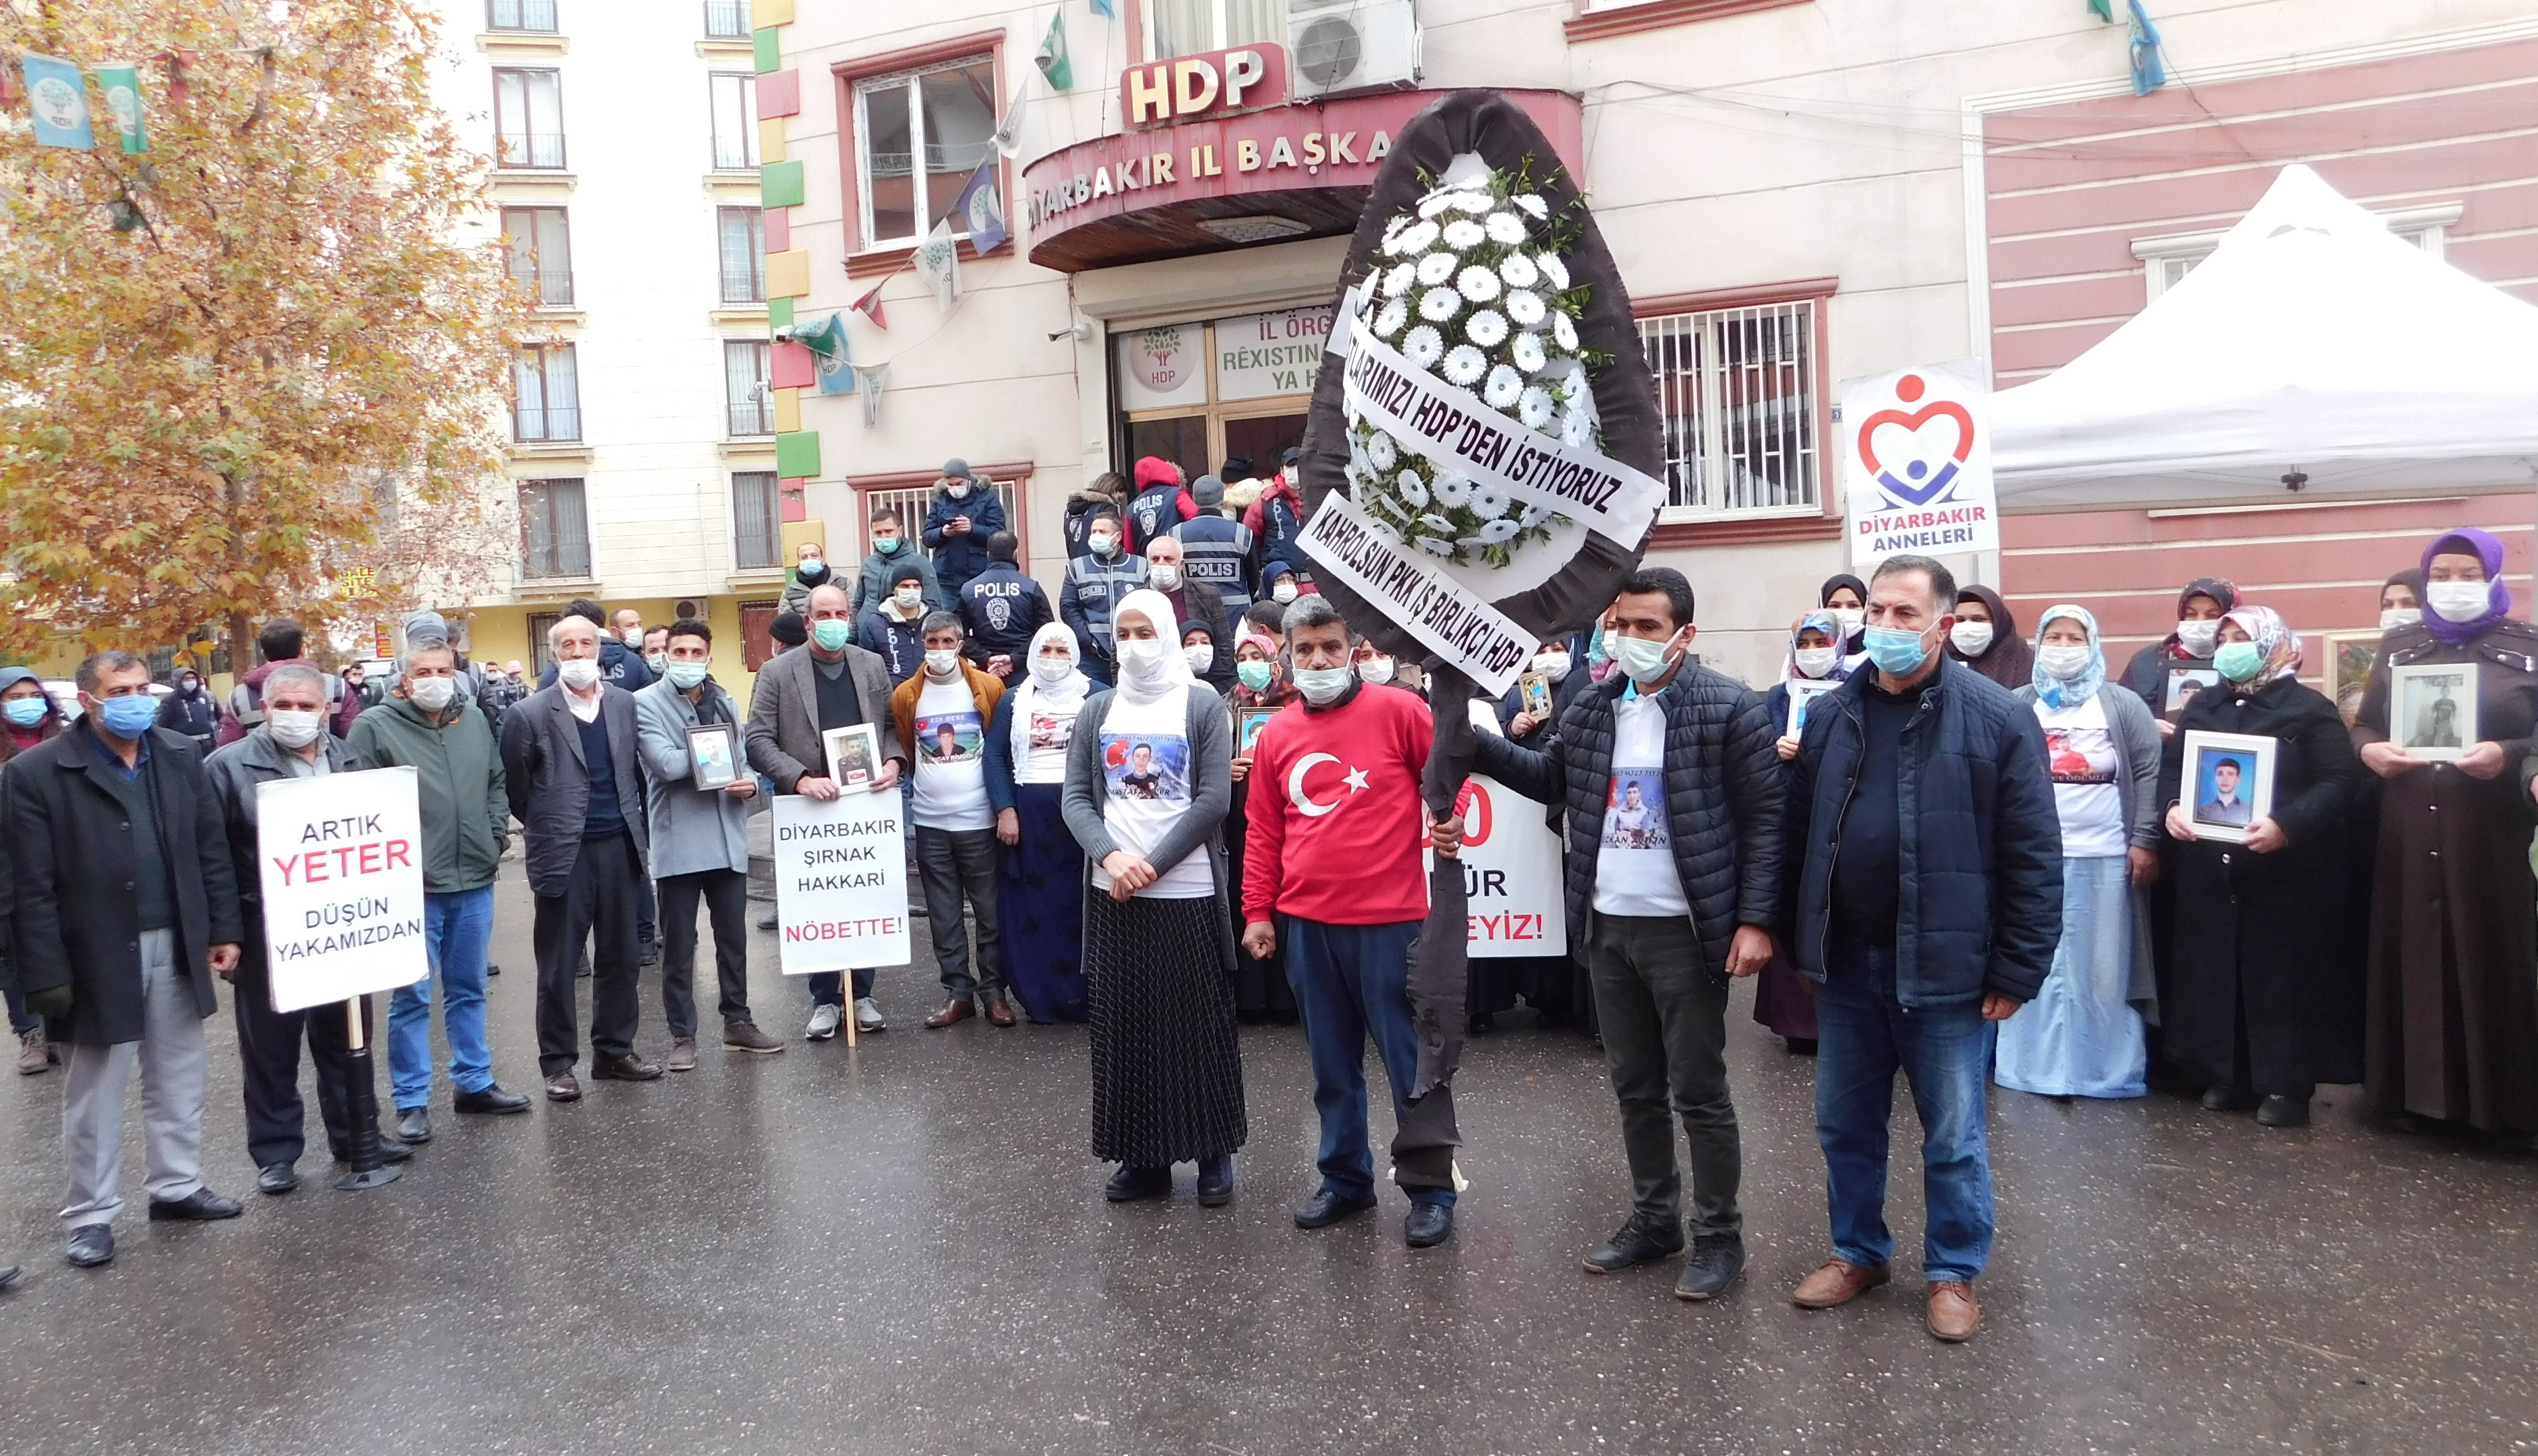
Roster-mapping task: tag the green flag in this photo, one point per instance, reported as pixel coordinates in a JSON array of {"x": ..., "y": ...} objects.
[
  {"x": 1052, "y": 59},
  {"x": 122, "y": 88},
  {"x": 2104, "y": 10}
]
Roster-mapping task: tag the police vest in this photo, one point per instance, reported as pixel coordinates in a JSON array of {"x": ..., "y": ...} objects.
[
  {"x": 1155, "y": 512},
  {"x": 1218, "y": 551},
  {"x": 1096, "y": 588}
]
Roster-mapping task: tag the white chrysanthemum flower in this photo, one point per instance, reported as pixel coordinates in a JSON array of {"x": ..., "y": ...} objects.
[
  {"x": 1503, "y": 386},
  {"x": 1477, "y": 284},
  {"x": 1488, "y": 501},
  {"x": 1539, "y": 209},
  {"x": 1465, "y": 364},
  {"x": 1379, "y": 452},
  {"x": 1577, "y": 429},
  {"x": 1499, "y": 532},
  {"x": 1359, "y": 460},
  {"x": 1487, "y": 329},
  {"x": 1463, "y": 235},
  {"x": 1435, "y": 545},
  {"x": 1414, "y": 490},
  {"x": 1388, "y": 322},
  {"x": 1506, "y": 227},
  {"x": 1454, "y": 489},
  {"x": 1534, "y": 406},
  {"x": 1434, "y": 203},
  {"x": 1435, "y": 268},
  {"x": 1423, "y": 346},
  {"x": 1436, "y": 523},
  {"x": 1528, "y": 352},
  {"x": 1524, "y": 307},
  {"x": 1398, "y": 281},
  {"x": 1563, "y": 332},
  {"x": 1534, "y": 515},
  {"x": 1565, "y": 375},
  {"x": 1473, "y": 201},
  {"x": 1551, "y": 266},
  {"x": 1414, "y": 239},
  {"x": 1439, "y": 304},
  {"x": 1518, "y": 271}
]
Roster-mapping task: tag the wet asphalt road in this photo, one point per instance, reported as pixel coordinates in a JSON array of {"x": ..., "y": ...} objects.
[{"x": 904, "y": 1249}]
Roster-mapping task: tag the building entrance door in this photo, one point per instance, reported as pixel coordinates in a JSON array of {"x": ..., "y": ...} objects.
[{"x": 1206, "y": 392}]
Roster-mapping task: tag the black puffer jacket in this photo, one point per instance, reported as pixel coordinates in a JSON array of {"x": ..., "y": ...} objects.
[{"x": 1725, "y": 801}]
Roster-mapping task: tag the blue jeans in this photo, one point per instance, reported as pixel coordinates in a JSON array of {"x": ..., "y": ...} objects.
[
  {"x": 1865, "y": 1036},
  {"x": 1352, "y": 981},
  {"x": 455, "y": 929}
]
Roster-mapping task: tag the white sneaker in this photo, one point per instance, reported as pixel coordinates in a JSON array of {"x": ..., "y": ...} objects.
[
  {"x": 868, "y": 1016},
  {"x": 824, "y": 1024}
]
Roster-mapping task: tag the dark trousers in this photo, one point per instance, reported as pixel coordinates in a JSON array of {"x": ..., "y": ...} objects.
[
  {"x": 645, "y": 930},
  {"x": 828, "y": 987},
  {"x": 1352, "y": 983},
  {"x": 598, "y": 902},
  {"x": 957, "y": 866},
  {"x": 269, "y": 1065},
  {"x": 20, "y": 1024},
  {"x": 1664, "y": 1019},
  {"x": 725, "y": 894}
]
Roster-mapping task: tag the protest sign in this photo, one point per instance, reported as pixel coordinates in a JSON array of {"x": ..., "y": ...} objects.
[
  {"x": 1513, "y": 872},
  {"x": 1916, "y": 446},
  {"x": 841, "y": 882},
  {"x": 340, "y": 861}
]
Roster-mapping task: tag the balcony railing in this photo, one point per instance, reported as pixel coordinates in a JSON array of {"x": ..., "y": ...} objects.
[
  {"x": 530, "y": 149},
  {"x": 727, "y": 20},
  {"x": 547, "y": 423},
  {"x": 554, "y": 285},
  {"x": 536, "y": 16}
]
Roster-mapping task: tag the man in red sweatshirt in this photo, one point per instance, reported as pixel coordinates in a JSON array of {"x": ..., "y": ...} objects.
[{"x": 1332, "y": 866}]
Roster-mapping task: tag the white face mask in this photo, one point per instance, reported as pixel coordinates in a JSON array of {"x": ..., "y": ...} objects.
[
  {"x": 1320, "y": 684},
  {"x": 909, "y": 598},
  {"x": 1283, "y": 592},
  {"x": 1971, "y": 638},
  {"x": 2061, "y": 660},
  {"x": 2457, "y": 601},
  {"x": 1850, "y": 618},
  {"x": 1645, "y": 659},
  {"x": 2198, "y": 638},
  {"x": 1376, "y": 670},
  {"x": 632, "y": 637},
  {"x": 580, "y": 674},
  {"x": 2394, "y": 618},
  {"x": 1144, "y": 659},
  {"x": 1553, "y": 665},
  {"x": 1049, "y": 672},
  {"x": 941, "y": 663},
  {"x": 432, "y": 695},
  {"x": 294, "y": 729},
  {"x": 653, "y": 660},
  {"x": 1101, "y": 541},
  {"x": 1199, "y": 656},
  {"x": 1814, "y": 662},
  {"x": 1168, "y": 575}
]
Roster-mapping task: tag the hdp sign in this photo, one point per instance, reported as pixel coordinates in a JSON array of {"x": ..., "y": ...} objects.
[{"x": 1916, "y": 444}]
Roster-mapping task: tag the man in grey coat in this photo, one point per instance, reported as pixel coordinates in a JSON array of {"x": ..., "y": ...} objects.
[
  {"x": 830, "y": 683},
  {"x": 570, "y": 765},
  {"x": 699, "y": 843}
]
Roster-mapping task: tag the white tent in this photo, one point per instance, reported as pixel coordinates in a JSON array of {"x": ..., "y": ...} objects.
[{"x": 2312, "y": 339}]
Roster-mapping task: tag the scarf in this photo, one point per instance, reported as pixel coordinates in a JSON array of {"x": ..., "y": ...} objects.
[
  {"x": 2275, "y": 641},
  {"x": 2468, "y": 541},
  {"x": 1065, "y": 699},
  {"x": 1857, "y": 645},
  {"x": 1173, "y": 674},
  {"x": 2219, "y": 588},
  {"x": 2070, "y": 693}
]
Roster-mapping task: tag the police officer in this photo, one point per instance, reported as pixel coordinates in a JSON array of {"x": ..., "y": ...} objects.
[
  {"x": 1095, "y": 583},
  {"x": 1218, "y": 551},
  {"x": 1001, "y": 607}
]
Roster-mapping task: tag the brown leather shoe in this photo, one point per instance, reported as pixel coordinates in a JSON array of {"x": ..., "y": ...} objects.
[
  {"x": 1839, "y": 1281},
  {"x": 1953, "y": 1310},
  {"x": 627, "y": 1068},
  {"x": 999, "y": 1011},
  {"x": 564, "y": 1086},
  {"x": 955, "y": 1010}
]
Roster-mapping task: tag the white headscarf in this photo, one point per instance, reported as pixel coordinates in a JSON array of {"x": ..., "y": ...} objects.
[
  {"x": 1064, "y": 699},
  {"x": 1173, "y": 672}
]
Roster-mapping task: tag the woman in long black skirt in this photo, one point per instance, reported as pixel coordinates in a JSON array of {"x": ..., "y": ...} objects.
[
  {"x": 1039, "y": 906},
  {"x": 1146, "y": 786}
]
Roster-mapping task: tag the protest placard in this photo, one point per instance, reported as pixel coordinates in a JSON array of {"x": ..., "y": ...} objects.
[
  {"x": 841, "y": 882},
  {"x": 340, "y": 862}
]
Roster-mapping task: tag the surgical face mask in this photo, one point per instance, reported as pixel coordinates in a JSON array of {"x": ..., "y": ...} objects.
[
  {"x": 2238, "y": 661},
  {"x": 656, "y": 660},
  {"x": 959, "y": 489},
  {"x": 1645, "y": 659},
  {"x": 1283, "y": 593},
  {"x": 1168, "y": 577},
  {"x": 1255, "y": 674},
  {"x": 1850, "y": 619},
  {"x": 1971, "y": 638},
  {"x": 1143, "y": 659},
  {"x": 688, "y": 675},
  {"x": 1814, "y": 662},
  {"x": 432, "y": 695},
  {"x": 1553, "y": 665},
  {"x": 887, "y": 545},
  {"x": 2457, "y": 601},
  {"x": 1199, "y": 656},
  {"x": 812, "y": 565},
  {"x": 25, "y": 712},
  {"x": 2396, "y": 617},
  {"x": 909, "y": 598},
  {"x": 2062, "y": 661},
  {"x": 580, "y": 674},
  {"x": 291, "y": 728},
  {"x": 2197, "y": 638},
  {"x": 1896, "y": 649},
  {"x": 130, "y": 716},
  {"x": 632, "y": 637},
  {"x": 941, "y": 663},
  {"x": 1376, "y": 670},
  {"x": 1049, "y": 672},
  {"x": 1101, "y": 543},
  {"x": 831, "y": 633},
  {"x": 1322, "y": 684}
]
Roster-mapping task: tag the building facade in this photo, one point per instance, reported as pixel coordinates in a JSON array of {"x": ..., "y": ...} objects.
[{"x": 1797, "y": 192}]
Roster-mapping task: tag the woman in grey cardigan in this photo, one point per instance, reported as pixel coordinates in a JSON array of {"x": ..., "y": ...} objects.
[
  {"x": 1148, "y": 784},
  {"x": 2084, "y": 1036}
]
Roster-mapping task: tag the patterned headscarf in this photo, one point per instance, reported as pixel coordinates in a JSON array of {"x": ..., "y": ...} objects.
[
  {"x": 2068, "y": 692},
  {"x": 2468, "y": 541},
  {"x": 1820, "y": 619},
  {"x": 2279, "y": 645}
]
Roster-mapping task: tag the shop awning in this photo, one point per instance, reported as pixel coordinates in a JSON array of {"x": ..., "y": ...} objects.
[{"x": 2311, "y": 343}]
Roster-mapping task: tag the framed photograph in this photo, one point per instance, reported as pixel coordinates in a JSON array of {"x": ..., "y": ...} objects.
[
  {"x": 2183, "y": 684},
  {"x": 2431, "y": 709},
  {"x": 2228, "y": 783},
  {"x": 2349, "y": 656},
  {"x": 1803, "y": 691},
  {"x": 1536, "y": 687},
  {"x": 854, "y": 754},
  {"x": 1247, "y": 723},
  {"x": 713, "y": 749}
]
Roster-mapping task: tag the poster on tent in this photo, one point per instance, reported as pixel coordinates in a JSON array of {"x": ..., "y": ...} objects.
[
  {"x": 1917, "y": 450},
  {"x": 340, "y": 868}
]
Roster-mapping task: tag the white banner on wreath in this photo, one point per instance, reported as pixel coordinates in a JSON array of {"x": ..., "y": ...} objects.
[
  {"x": 1451, "y": 427},
  {"x": 1422, "y": 599}
]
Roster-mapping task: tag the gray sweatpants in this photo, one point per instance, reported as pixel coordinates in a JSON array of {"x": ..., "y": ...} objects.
[{"x": 174, "y": 1069}]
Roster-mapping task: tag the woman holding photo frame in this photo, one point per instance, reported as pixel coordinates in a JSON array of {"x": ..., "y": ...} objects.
[
  {"x": 1040, "y": 910},
  {"x": 2264, "y": 998},
  {"x": 2452, "y": 1006}
]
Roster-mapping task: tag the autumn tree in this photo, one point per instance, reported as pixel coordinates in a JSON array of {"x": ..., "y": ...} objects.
[{"x": 254, "y": 369}]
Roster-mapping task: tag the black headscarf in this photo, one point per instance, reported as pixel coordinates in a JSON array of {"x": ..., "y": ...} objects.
[
  {"x": 2009, "y": 661},
  {"x": 1858, "y": 641}
]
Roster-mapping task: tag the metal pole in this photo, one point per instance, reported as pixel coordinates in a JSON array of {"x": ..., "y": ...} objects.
[{"x": 361, "y": 1105}]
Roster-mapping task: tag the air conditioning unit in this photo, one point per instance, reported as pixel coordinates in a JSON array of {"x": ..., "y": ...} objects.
[
  {"x": 1340, "y": 45},
  {"x": 688, "y": 608}
]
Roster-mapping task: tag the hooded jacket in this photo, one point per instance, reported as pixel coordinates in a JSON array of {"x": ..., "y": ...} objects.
[
  {"x": 898, "y": 641},
  {"x": 458, "y": 780},
  {"x": 1161, "y": 502},
  {"x": 1276, "y": 521},
  {"x": 957, "y": 558},
  {"x": 1081, "y": 508},
  {"x": 872, "y": 583}
]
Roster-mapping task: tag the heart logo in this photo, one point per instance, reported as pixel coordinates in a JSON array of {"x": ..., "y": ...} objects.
[{"x": 1925, "y": 469}]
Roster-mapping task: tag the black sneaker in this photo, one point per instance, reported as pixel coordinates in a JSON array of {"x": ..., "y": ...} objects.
[
  {"x": 1714, "y": 1263},
  {"x": 1633, "y": 1244},
  {"x": 1131, "y": 1183}
]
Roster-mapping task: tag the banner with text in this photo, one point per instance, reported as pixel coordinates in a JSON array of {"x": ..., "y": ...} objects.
[
  {"x": 1511, "y": 873},
  {"x": 841, "y": 882},
  {"x": 340, "y": 868},
  {"x": 1465, "y": 631},
  {"x": 1916, "y": 444}
]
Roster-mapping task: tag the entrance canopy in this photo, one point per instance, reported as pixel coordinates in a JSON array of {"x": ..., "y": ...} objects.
[{"x": 2311, "y": 341}]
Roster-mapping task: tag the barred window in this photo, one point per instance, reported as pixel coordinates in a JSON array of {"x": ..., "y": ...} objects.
[
  {"x": 758, "y": 520},
  {"x": 1737, "y": 394}
]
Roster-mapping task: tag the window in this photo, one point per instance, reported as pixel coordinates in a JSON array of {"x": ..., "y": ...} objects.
[
  {"x": 757, "y": 521},
  {"x": 1192, "y": 26},
  {"x": 546, "y": 389},
  {"x": 910, "y": 502},
  {"x": 538, "y": 16},
  {"x": 945, "y": 115},
  {"x": 1737, "y": 390},
  {"x": 743, "y": 232},
  {"x": 554, "y": 537},
  {"x": 541, "y": 252},
  {"x": 747, "y": 400},
  {"x": 735, "y": 120},
  {"x": 528, "y": 119},
  {"x": 2167, "y": 260},
  {"x": 727, "y": 20},
  {"x": 757, "y": 644},
  {"x": 541, "y": 657}
]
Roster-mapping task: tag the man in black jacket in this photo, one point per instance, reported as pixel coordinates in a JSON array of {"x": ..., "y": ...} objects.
[
  {"x": 1675, "y": 812},
  {"x": 1001, "y": 607},
  {"x": 123, "y": 907},
  {"x": 1928, "y": 903}
]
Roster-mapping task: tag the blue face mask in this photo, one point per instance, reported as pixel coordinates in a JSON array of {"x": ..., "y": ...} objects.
[
  {"x": 23, "y": 712},
  {"x": 129, "y": 717},
  {"x": 1896, "y": 649}
]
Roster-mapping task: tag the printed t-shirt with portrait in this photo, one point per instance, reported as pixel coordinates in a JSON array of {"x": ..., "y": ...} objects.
[
  {"x": 951, "y": 790},
  {"x": 2080, "y": 753},
  {"x": 1047, "y": 730},
  {"x": 1147, "y": 787},
  {"x": 1634, "y": 868}
]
